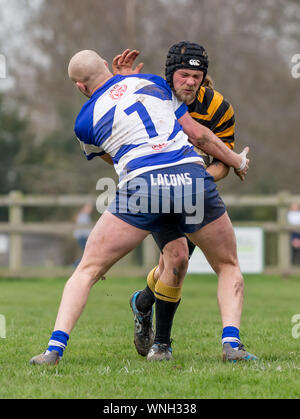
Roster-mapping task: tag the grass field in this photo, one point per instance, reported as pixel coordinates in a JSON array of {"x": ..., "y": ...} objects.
[{"x": 101, "y": 362}]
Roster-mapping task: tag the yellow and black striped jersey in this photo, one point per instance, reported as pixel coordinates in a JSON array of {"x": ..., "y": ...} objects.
[{"x": 216, "y": 113}]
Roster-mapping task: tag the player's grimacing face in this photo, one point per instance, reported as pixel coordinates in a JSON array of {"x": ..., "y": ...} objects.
[{"x": 186, "y": 84}]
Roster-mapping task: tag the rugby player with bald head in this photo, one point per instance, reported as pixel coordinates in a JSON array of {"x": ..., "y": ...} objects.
[{"x": 132, "y": 129}]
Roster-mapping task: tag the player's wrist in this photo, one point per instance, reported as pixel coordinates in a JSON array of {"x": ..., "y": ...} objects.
[{"x": 242, "y": 163}]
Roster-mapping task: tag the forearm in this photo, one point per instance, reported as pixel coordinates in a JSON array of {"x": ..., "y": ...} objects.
[
  {"x": 212, "y": 145},
  {"x": 218, "y": 170},
  {"x": 205, "y": 139}
]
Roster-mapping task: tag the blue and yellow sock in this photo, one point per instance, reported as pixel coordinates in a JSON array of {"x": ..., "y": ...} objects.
[{"x": 231, "y": 335}]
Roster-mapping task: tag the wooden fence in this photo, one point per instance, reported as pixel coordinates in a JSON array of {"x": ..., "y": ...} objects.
[{"x": 16, "y": 228}]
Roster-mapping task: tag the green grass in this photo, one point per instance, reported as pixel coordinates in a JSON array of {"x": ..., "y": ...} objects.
[{"x": 101, "y": 361}]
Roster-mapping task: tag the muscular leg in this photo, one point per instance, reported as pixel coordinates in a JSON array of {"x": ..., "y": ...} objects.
[
  {"x": 218, "y": 243},
  {"x": 176, "y": 256},
  {"x": 184, "y": 255},
  {"x": 109, "y": 241},
  {"x": 167, "y": 290},
  {"x": 173, "y": 263},
  {"x": 164, "y": 288}
]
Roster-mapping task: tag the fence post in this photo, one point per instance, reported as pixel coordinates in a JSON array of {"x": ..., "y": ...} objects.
[
  {"x": 284, "y": 245},
  {"x": 15, "y": 218}
]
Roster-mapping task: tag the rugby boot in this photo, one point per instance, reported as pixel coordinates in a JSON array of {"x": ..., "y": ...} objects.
[
  {"x": 160, "y": 352},
  {"x": 236, "y": 354},
  {"x": 143, "y": 327},
  {"x": 46, "y": 358}
]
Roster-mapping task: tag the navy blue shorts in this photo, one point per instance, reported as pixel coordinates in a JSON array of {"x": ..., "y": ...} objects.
[{"x": 183, "y": 198}]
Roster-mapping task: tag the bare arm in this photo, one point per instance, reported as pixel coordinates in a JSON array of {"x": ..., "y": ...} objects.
[
  {"x": 205, "y": 139},
  {"x": 218, "y": 170}
]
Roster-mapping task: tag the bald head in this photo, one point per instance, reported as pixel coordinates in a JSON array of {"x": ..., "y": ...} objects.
[{"x": 89, "y": 69}]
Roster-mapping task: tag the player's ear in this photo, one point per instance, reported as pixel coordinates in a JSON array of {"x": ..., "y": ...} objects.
[
  {"x": 82, "y": 87},
  {"x": 106, "y": 63}
]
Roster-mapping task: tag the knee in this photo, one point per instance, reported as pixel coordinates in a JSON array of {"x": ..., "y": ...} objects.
[
  {"x": 228, "y": 264},
  {"x": 181, "y": 261},
  {"x": 176, "y": 255},
  {"x": 90, "y": 272}
]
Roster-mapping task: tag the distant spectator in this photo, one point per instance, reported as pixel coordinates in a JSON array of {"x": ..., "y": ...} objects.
[
  {"x": 294, "y": 219},
  {"x": 83, "y": 221}
]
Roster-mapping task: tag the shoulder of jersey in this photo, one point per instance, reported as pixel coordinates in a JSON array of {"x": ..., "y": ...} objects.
[{"x": 208, "y": 91}]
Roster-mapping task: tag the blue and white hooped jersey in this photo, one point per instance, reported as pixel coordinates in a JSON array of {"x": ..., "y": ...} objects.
[{"x": 134, "y": 120}]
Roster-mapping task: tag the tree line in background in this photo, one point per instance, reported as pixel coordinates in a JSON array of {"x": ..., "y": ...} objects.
[{"x": 249, "y": 44}]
